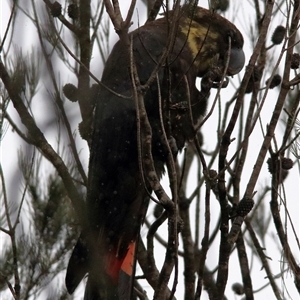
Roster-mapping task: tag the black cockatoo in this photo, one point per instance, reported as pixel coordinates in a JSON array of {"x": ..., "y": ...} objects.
[{"x": 117, "y": 197}]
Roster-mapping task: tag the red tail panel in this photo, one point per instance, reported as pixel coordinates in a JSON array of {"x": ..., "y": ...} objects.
[{"x": 126, "y": 264}]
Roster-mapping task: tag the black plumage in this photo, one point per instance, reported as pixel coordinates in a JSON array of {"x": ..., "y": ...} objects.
[{"x": 117, "y": 197}]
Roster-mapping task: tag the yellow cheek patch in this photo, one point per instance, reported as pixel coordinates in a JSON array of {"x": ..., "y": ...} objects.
[
  {"x": 197, "y": 34},
  {"x": 201, "y": 40}
]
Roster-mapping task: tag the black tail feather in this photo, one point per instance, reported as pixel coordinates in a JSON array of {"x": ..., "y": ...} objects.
[{"x": 78, "y": 265}]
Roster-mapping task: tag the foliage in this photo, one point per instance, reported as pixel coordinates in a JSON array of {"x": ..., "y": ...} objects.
[{"x": 52, "y": 52}]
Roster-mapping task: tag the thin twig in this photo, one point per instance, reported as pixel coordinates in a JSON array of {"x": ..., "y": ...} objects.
[
  {"x": 12, "y": 232},
  {"x": 8, "y": 25},
  {"x": 263, "y": 259},
  {"x": 205, "y": 241}
]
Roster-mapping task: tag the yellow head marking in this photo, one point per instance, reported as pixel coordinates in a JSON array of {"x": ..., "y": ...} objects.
[{"x": 201, "y": 41}]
